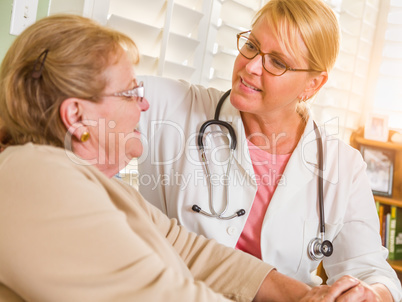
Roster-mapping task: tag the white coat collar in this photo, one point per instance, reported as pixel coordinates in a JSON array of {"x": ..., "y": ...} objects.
[{"x": 301, "y": 169}]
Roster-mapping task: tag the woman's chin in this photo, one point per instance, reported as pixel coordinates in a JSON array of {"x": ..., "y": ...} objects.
[
  {"x": 134, "y": 151},
  {"x": 240, "y": 102}
]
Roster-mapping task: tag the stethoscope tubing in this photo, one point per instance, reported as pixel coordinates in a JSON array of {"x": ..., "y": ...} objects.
[
  {"x": 232, "y": 145},
  {"x": 320, "y": 178}
]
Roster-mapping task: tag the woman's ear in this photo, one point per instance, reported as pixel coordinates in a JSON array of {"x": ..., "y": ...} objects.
[
  {"x": 316, "y": 83},
  {"x": 71, "y": 115}
]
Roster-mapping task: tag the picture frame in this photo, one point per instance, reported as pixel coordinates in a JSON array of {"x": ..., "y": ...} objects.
[
  {"x": 376, "y": 128},
  {"x": 380, "y": 169}
]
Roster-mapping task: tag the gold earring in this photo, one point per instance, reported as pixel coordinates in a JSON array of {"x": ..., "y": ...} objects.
[{"x": 84, "y": 137}]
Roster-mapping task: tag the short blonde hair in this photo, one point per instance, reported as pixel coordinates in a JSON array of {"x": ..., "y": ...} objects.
[
  {"x": 313, "y": 20},
  {"x": 78, "y": 52}
]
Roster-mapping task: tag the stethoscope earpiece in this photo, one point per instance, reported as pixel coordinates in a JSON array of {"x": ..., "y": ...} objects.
[{"x": 198, "y": 209}]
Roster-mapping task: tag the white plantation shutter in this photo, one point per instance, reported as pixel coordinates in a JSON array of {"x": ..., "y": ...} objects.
[
  {"x": 170, "y": 34},
  {"x": 187, "y": 39},
  {"x": 341, "y": 102},
  {"x": 387, "y": 92},
  {"x": 228, "y": 19}
]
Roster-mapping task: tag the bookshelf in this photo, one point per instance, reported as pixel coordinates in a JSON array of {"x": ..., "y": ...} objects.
[{"x": 357, "y": 140}]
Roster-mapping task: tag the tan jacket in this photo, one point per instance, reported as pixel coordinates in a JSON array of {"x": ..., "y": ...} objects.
[{"x": 68, "y": 233}]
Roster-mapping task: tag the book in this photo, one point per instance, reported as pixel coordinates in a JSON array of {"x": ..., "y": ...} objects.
[
  {"x": 387, "y": 218},
  {"x": 384, "y": 213},
  {"x": 380, "y": 210},
  {"x": 395, "y": 234}
]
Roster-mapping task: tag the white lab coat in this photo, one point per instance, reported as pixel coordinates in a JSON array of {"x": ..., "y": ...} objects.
[{"x": 173, "y": 178}]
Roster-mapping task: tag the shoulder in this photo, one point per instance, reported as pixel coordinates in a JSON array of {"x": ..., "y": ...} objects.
[
  {"x": 45, "y": 169},
  {"x": 160, "y": 88},
  {"x": 334, "y": 148},
  {"x": 31, "y": 157},
  {"x": 163, "y": 84},
  {"x": 341, "y": 151}
]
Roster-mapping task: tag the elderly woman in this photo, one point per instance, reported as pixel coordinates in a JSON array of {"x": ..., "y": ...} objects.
[
  {"x": 287, "y": 192},
  {"x": 69, "y": 108}
]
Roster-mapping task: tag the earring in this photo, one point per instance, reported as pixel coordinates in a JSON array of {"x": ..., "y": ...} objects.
[
  {"x": 303, "y": 99},
  {"x": 84, "y": 137}
]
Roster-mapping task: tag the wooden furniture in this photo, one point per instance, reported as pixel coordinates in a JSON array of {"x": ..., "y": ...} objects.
[{"x": 357, "y": 140}]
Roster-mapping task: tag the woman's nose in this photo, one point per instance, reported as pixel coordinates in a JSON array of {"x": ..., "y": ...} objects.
[
  {"x": 144, "y": 105},
  {"x": 254, "y": 66}
]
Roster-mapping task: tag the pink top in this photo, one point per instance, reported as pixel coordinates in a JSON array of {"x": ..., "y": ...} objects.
[{"x": 268, "y": 169}]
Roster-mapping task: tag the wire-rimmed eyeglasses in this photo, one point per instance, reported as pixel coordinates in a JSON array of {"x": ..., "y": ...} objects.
[
  {"x": 137, "y": 93},
  {"x": 271, "y": 62}
]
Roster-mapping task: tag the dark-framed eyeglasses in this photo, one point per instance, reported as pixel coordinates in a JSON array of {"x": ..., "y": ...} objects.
[
  {"x": 137, "y": 93},
  {"x": 271, "y": 62}
]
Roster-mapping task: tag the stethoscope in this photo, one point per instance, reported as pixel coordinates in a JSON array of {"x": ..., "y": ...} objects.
[
  {"x": 318, "y": 247},
  {"x": 233, "y": 142}
]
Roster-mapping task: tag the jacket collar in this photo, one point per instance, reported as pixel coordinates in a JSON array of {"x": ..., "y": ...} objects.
[{"x": 301, "y": 169}]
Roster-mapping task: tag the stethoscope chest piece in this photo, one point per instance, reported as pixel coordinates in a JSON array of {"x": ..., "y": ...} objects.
[{"x": 317, "y": 249}]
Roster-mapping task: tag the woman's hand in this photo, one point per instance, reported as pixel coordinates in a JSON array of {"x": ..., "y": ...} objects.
[
  {"x": 278, "y": 287},
  {"x": 347, "y": 289}
]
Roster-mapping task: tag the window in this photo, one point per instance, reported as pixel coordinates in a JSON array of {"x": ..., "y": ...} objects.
[
  {"x": 340, "y": 103},
  {"x": 387, "y": 92}
]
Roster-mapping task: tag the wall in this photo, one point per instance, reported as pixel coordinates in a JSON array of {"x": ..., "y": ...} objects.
[
  {"x": 63, "y": 6},
  {"x": 5, "y": 19}
]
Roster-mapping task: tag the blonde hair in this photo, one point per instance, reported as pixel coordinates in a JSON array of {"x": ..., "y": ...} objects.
[
  {"x": 313, "y": 20},
  {"x": 78, "y": 52}
]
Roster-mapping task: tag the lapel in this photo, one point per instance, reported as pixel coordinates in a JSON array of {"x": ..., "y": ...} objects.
[{"x": 301, "y": 169}]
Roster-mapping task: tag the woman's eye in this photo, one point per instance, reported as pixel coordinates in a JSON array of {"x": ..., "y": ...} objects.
[
  {"x": 250, "y": 46},
  {"x": 278, "y": 63}
]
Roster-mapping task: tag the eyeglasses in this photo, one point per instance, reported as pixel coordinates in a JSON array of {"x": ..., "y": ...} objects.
[
  {"x": 271, "y": 62},
  {"x": 137, "y": 93}
]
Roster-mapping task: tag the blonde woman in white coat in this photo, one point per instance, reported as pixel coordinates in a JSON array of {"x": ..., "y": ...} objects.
[{"x": 271, "y": 188}]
